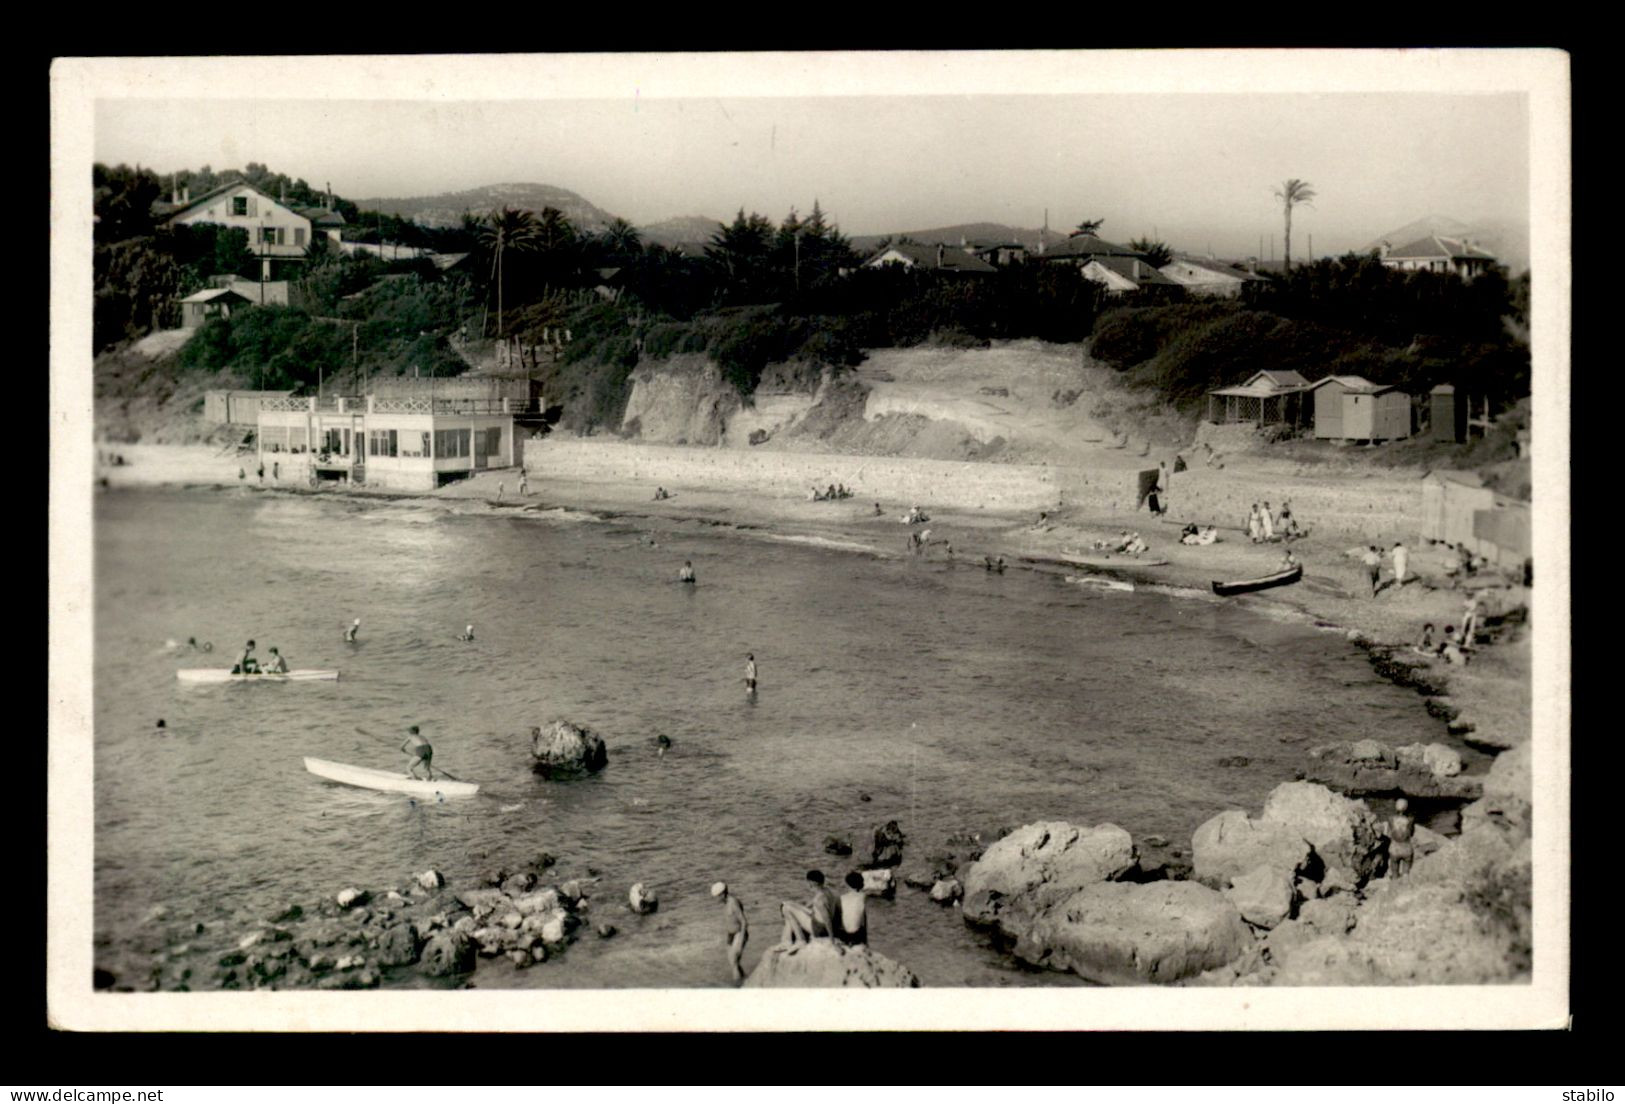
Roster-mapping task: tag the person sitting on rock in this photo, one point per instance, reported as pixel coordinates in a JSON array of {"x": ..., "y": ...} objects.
[
  {"x": 852, "y": 926},
  {"x": 1401, "y": 849},
  {"x": 815, "y": 920},
  {"x": 1424, "y": 643}
]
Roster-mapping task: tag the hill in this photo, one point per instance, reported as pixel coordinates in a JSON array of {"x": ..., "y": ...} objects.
[
  {"x": 969, "y": 231},
  {"x": 446, "y": 210},
  {"x": 673, "y": 232},
  {"x": 1508, "y": 239}
]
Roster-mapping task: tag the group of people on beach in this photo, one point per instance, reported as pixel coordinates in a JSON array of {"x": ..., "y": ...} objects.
[
  {"x": 839, "y": 917},
  {"x": 1455, "y": 645},
  {"x": 1371, "y": 557},
  {"x": 833, "y": 492},
  {"x": 1263, "y": 524}
]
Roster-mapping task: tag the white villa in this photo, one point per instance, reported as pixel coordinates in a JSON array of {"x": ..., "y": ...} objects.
[{"x": 413, "y": 443}]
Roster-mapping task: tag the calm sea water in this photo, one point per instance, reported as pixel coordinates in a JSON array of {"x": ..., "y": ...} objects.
[{"x": 953, "y": 699}]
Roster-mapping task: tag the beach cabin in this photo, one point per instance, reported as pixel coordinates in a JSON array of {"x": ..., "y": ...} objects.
[
  {"x": 240, "y": 408},
  {"x": 200, "y": 306},
  {"x": 1458, "y": 509},
  {"x": 1352, "y": 408},
  {"x": 410, "y": 443},
  {"x": 1208, "y": 277},
  {"x": 1268, "y": 398}
]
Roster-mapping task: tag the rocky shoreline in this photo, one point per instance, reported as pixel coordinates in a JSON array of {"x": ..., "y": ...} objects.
[{"x": 1318, "y": 906}]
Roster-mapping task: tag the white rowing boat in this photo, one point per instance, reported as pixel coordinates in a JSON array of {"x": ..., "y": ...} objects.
[
  {"x": 215, "y": 674},
  {"x": 392, "y": 781}
]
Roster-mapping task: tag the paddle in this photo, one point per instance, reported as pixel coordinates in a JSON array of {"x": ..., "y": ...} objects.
[{"x": 432, "y": 769}]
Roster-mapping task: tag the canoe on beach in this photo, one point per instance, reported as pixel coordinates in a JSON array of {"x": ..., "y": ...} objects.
[
  {"x": 392, "y": 781},
  {"x": 1078, "y": 559},
  {"x": 1243, "y": 586},
  {"x": 215, "y": 674}
]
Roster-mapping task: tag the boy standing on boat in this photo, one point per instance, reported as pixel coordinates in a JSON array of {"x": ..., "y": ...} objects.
[{"x": 421, "y": 750}]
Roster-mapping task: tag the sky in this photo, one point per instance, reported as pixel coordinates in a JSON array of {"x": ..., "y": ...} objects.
[{"x": 883, "y": 142}]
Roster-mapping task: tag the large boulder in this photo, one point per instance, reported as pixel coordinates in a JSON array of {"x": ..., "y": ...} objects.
[
  {"x": 563, "y": 749},
  {"x": 1437, "y": 759},
  {"x": 1233, "y": 844},
  {"x": 447, "y": 952},
  {"x": 1127, "y": 933},
  {"x": 1263, "y": 896},
  {"x": 1344, "y": 833},
  {"x": 826, "y": 964},
  {"x": 1507, "y": 790},
  {"x": 1415, "y": 934},
  {"x": 1366, "y": 767},
  {"x": 398, "y": 945},
  {"x": 1040, "y": 865}
]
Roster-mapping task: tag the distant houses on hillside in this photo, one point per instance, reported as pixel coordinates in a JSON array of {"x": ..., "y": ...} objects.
[
  {"x": 1435, "y": 253},
  {"x": 278, "y": 233}
]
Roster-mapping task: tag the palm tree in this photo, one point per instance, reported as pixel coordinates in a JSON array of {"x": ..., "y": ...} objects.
[
  {"x": 1087, "y": 226},
  {"x": 1292, "y": 193},
  {"x": 622, "y": 239},
  {"x": 502, "y": 231}
]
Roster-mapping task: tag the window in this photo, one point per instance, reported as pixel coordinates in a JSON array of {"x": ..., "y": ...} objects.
[
  {"x": 299, "y": 235},
  {"x": 239, "y": 205},
  {"x": 381, "y": 442},
  {"x": 267, "y": 235}
]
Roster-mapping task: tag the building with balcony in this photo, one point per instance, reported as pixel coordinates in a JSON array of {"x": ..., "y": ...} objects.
[{"x": 405, "y": 443}]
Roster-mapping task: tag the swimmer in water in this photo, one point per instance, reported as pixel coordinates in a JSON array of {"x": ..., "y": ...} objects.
[
  {"x": 466, "y": 634},
  {"x": 662, "y": 742},
  {"x": 350, "y": 633},
  {"x": 685, "y": 574}
]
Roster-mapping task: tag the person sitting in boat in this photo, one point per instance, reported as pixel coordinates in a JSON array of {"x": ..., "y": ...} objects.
[
  {"x": 685, "y": 574},
  {"x": 466, "y": 634},
  {"x": 246, "y": 663},
  {"x": 276, "y": 665},
  {"x": 1135, "y": 545},
  {"x": 421, "y": 751}
]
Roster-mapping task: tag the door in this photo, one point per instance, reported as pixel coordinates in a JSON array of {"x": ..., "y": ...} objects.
[{"x": 481, "y": 458}]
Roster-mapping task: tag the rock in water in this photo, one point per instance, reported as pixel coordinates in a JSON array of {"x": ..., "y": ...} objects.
[
  {"x": 1039, "y": 865},
  {"x": 1123, "y": 933},
  {"x": 562, "y": 749},
  {"x": 1233, "y": 844},
  {"x": 835, "y": 845},
  {"x": 447, "y": 952},
  {"x": 350, "y": 898},
  {"x": 398, "y": 946},
  {"x": 1344, "y": 833},
  {"x": 947, "y": 891},
  {"x": 431, "y": 879},
  {"x": 880, "y": 883},
  {"x": 826, "y": 964},
  {"x": 641, "y": 901}
]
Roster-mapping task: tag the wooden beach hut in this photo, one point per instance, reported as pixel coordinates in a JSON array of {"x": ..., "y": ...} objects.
[
  {"x": 1352, "y": 408},
  {"x": 1267, "y": 398}
]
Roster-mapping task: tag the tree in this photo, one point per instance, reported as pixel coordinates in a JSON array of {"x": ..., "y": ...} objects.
[
  {"x": 1155, "y": 252},
  {"x": 1087, "y": 226},
  {"x": 1292, "y": 193},
  {"x": 502, "y": 232},
  {"x": 622, "y": 240}
]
